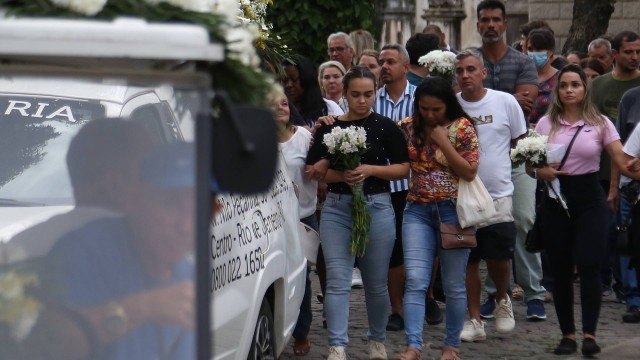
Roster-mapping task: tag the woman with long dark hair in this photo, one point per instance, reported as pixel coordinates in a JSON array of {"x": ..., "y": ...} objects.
[
  {"x": 384, "y": 160},
  {"x": 577, "y": 236},
  {"x": 443, "y": 147},
  {"x": 303, "y": 91}
]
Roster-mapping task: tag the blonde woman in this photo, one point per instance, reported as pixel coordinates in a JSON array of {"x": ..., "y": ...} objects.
[
  {"x": 577, "y": 236},
  {"x": 361, "y": 39},
  {"x": 330, "y": 76},
  {"x": 294, "y": 144},
  {"x": 369, "y": 58}
]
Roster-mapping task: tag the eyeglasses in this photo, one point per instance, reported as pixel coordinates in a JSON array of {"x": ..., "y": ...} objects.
[{"x": 336, "y": 49}]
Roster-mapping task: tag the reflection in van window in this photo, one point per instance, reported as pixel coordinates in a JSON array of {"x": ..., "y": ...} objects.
[{"x": 36, "y": 132}]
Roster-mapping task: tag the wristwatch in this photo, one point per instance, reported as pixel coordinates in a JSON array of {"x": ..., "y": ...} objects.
[{"x": 115, "y": 321}]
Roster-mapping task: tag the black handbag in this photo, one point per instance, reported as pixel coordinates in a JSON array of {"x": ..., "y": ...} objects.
[
  {"x": 628, "y": 235},
  {"x": 535, "y": 240}
]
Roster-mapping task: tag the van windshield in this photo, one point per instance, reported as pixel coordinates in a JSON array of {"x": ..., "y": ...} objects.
[{"x": 36, "y": 132}]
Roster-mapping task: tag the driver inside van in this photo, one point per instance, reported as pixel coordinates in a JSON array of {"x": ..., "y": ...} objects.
[{"x": 131, "y": 277}]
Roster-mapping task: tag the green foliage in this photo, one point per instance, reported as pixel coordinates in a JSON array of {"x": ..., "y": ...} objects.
[{"x": 306, "y": 24}]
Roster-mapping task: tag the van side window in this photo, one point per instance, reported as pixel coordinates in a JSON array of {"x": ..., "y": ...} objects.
[{"x": 158, "y": 120}]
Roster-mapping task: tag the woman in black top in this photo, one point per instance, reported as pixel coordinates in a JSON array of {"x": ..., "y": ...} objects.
[{"x": 386, "y": 159}]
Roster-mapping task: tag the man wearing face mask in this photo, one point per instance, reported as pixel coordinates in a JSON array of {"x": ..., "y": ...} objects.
[{"x": 539, "y": 47}]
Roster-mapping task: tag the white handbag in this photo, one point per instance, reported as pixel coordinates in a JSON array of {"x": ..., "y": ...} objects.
[
  {"x": 475, "y": 205},
  {"x": 310, "y": 243}
]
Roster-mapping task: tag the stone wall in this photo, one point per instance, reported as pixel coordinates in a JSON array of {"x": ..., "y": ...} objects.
[{"x": 558, "y": 13}]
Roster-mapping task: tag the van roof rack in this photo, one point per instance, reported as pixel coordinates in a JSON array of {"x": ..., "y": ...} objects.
[{"x": 123, "y": 37}]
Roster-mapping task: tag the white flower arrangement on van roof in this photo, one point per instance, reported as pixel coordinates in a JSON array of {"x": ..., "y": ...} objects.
[
  {"x": 440, "y": 63},
  {"x": 237, "y": 24}
]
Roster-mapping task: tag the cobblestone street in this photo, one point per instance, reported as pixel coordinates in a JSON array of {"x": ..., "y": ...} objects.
[{"x": 529, "y": 340}]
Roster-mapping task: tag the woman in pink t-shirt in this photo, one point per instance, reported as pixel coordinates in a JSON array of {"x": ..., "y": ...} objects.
[{"x": 576, "y": 236}]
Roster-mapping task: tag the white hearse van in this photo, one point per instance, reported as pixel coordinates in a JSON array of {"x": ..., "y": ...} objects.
[{"x": 248, "y": 278}]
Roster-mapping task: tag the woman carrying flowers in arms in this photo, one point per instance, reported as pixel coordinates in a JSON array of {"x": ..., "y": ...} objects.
[
  {"x": 577, "y": 235},
  {"x": 385, "y": 159},
  {"x": 443, "y": 147}
]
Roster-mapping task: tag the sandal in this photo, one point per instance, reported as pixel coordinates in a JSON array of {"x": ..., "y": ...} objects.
[
  {"x": 301, "y": 347},
  {"x": 449, "y": 353},
  {"x": 409, "y": 354}
]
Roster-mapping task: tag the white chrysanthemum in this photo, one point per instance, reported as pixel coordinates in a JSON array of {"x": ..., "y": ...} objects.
[
  {"x": 230, "y": 9},
  {"x": 439, "y": 62},
  {"x": 240, "y": 43},
  {"x": 85, "y": 7},
  {"x": 532, "y": 149}
]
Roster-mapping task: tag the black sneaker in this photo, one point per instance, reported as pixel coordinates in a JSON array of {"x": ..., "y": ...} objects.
[
  {"x": 395, "y": 323},
  {"x": 432, "y": 312},
  {"x": 589, "y": 347},
  {"x": 632, "y": 315},
  {"x": 566, "y": 347}
]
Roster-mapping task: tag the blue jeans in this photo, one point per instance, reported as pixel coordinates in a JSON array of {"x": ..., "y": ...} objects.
[
  {"x": 628, "y": 276},
  {"x": 335, "y": 235},
  {"x": 421, "y": 242}
]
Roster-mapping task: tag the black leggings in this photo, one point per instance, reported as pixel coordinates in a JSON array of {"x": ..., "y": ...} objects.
[{"x": 580, "y": 241}]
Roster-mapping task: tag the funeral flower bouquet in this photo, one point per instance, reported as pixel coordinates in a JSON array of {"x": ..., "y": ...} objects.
[
  {"x": 535, "y": 151},
  {"x": 531, "y": 150},
  {"x": 239, "y": 25},
  {"x": 345, "y": 147},
  {"x": 440, "y": 63}
]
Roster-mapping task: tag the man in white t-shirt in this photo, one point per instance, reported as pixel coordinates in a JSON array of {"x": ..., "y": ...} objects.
[{"x": 499, "y": 122}]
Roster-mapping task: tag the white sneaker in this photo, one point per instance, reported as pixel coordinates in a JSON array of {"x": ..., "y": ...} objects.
[
  {"x": 504, "y": 316},
  {"x": 356, "y": 278},
  {"x": 473, "y": 331},
  {"x": 377, "y": 351},
  {"x": 337, "y": 353}
]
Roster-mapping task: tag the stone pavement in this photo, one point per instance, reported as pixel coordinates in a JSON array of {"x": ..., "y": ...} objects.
[{"x": 529, "y": 340}]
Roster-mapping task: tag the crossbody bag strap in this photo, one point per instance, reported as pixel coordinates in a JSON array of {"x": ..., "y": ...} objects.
[{"x": 566, "y": 154}]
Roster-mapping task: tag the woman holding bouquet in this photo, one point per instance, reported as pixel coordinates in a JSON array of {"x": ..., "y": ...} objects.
[
  {"x": 384, "y": 159},
  {"x": 577, "y": 234},
  {"x": 443, "y": 147}
]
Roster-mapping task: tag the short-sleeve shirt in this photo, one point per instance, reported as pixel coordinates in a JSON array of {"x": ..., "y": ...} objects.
[
  {"x": 498, "y": 119},
  {"x": 584, "y": 157},
  {"x": 631, "y": 148},
  {"x": 513, "y": 69},
  {"x": 628, "y": 118},
  {"x": 431, "y": 177},
  {"x": 294, "y": 152},
  {"x": 385, "y": 142},
  {"x": 628, "y": 112},
  {"x": 607, "y": 92},
  {"x": 396, "y": 112},
  {"x": 540, "y": 106}
]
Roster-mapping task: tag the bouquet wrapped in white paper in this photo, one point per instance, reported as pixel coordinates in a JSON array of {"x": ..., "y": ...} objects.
[
  {"x": 346, "y": 146},
  {"x": 535, "y": 151}
]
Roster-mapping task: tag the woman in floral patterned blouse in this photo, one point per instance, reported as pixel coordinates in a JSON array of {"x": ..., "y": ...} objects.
[{"x": 443, "y": 147}]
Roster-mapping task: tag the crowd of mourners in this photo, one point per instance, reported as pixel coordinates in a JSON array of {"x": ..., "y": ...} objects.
[{"x": 425, "y": 134}]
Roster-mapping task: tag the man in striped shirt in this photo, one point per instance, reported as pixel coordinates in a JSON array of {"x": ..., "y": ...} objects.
[{"x": 395, "y": 101}]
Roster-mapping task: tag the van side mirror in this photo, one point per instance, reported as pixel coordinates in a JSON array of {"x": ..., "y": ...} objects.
[{"x": 245, "y": 147}]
